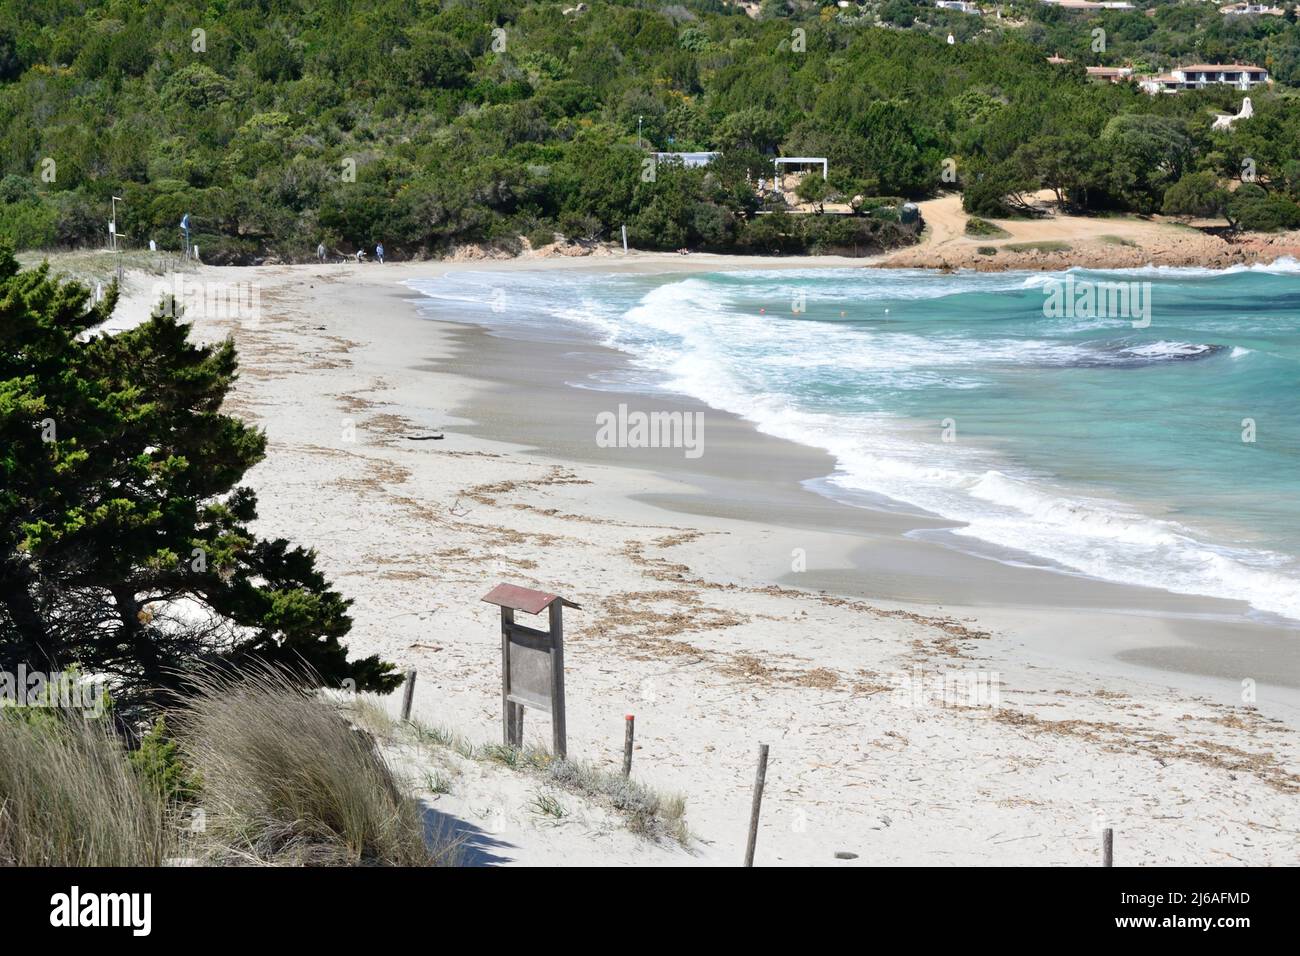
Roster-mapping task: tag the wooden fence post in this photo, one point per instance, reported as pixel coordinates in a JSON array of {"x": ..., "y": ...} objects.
[
  {"x": 517, "y": 727},
  {"x": 408, "y": 694},
  {"x": 630, "y": 720},
  {"x": 759, "y": 779},
  {"x": 507, "y": 706},
  {"x": 559, "y": 733}
]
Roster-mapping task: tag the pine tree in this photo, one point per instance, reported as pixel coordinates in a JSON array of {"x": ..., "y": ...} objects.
[
  {"x": 40, "y": 321},
  {"x": 126, "y": 541}
]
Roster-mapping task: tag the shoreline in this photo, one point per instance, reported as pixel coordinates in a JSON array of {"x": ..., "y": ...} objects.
[
  {"x": 855, "y": 551},
  {"x": 1052, "y": 241},
  {"x": 338, "y": 372}
]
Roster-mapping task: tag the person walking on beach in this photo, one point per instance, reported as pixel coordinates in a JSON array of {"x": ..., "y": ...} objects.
[
  {"x": 320, "y": 252},
  {"x": 379, "y": 252}
]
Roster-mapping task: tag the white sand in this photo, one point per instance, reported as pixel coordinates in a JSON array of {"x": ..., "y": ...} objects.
[{"x": 417, "y": 531}]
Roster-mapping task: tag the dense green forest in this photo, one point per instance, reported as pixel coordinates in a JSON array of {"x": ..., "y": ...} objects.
[{"x": 424, "y": 124}]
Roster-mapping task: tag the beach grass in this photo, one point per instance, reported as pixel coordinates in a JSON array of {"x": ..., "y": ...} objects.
[
  {"x": 70, "y": 797},
  {"x": 548, "y": 805},
  {"x": 100, "y": 265},
  {"x": 274, "y": 772},
  {"x": 646, "y": 811},
  {"x": 287, "y": 779}
]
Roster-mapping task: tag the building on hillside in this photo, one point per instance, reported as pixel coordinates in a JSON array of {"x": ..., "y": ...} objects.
[
  {"x": 1089, "y": 4},
  {"x": 1198, "y": 76},
  {"x": 1110, "y": 74},
  {"x": 1057, "y": 60},
  {"x": 687, "y": 159},
  {"x": 1251, "y": 9},
  {"x": 961, "y": 6}
]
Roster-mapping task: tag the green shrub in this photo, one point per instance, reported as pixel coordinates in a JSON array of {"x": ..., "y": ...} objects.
[
  {"x": 1253, "y": 209},
  {"x": 29, "y": 224},
  {"x": 1045, "y": 245},
  {"x": 158, "y": 760},
  {"x": 1196, "y": 194},
  {"x": 541, "y": 236},
  {"x": 975, "y": 226}
]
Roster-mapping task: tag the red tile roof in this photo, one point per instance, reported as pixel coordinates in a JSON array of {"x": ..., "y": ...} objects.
[{"x": 1218, "y": 67}]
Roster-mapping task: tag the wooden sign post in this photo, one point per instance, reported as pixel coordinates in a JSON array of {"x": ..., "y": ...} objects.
[{"x": 532, "y": 662}]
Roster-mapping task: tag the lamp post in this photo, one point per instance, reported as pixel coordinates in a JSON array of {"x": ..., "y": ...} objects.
[
  {"x": 638, "y": 131},
  {"x": 113, "y": 233},
  {"x": 112, "y": 225}
]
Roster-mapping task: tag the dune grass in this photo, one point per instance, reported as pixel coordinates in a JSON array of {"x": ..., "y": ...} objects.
[
  {"x": 252, "y": 768},
  {"x": 288, "y": 780},
  {"x": 647, "y": 812},
  {"x": 96, "y": 265},
  {"x": 70, "y": 797}
]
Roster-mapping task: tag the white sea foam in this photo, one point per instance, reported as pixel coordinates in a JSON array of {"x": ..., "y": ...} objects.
[
  {"x": 1282, "y": 265},
  {"x": 1100, "y": 537},
  {"x": 704, "y": 337}
]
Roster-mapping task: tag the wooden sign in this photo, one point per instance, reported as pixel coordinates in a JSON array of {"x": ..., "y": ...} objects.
[{"x": 532, "y": 662}]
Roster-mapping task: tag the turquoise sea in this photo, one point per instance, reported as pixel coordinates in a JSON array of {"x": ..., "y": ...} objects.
[{"x": 1155, "y": 446}]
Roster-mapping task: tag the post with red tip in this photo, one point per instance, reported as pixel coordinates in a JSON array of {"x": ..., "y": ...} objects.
[{"x": 630, "y": 721}]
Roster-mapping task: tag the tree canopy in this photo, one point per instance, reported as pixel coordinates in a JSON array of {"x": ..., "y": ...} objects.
[
  {"x": 424, "y": 124},
  {"x": 126, "y": 549}
]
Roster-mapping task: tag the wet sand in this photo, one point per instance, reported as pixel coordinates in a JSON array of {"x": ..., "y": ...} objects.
[{"x": 534, "y": 396}]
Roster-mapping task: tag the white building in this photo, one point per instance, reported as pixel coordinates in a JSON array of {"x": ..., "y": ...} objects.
[
  {"x": 1089, "y": 4},
  {"x": 1200, "y": 75},
  {"x": 1251, "y": 10},
  {"x": 961, "y": 6},
  {"x": 688, "y": 159}
]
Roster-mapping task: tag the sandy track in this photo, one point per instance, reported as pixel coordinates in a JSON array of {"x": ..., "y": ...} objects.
[{"x": 1089, "y": 241}]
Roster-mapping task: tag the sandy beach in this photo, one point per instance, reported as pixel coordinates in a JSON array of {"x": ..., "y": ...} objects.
[{"x": 1114, "y": 706}]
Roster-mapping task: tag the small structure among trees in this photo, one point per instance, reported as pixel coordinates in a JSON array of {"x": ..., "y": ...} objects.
[
  {"x": 780, "y": 161},
  {"x": 689, "y": 160}
]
